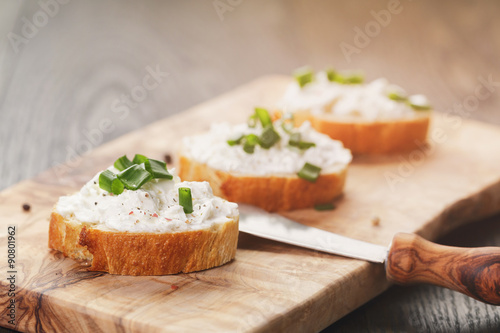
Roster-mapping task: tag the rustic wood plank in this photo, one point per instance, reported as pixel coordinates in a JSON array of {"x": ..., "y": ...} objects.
[{"x": 269, "y": 286}]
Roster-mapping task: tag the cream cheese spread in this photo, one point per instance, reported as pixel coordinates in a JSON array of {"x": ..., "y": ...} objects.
[
  {"x": 153, "y": 208},
  {"x": 211, "y": 148},
  {"x": 368, "y": 101}
]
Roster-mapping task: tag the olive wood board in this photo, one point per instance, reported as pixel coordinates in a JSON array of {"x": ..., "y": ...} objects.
[{"x": 269, "y": 287}]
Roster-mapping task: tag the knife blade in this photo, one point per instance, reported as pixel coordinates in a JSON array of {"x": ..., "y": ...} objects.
[{"x": 409, "y": 259}]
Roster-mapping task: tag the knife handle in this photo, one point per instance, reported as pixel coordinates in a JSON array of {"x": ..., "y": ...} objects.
[{"x": 472, "y": 271}]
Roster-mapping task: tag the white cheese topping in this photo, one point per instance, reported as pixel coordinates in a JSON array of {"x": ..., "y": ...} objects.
[
  {"x": 368, "y": 101},
  {"x": 211, "y": 148},
  {"x": 153, "y": 208}
]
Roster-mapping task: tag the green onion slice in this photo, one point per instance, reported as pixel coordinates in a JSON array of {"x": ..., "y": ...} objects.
[
  {"x": 309, "y": 172},
  {"x": 419, "y": 103},
  {"x": 296, "y": 141},
  {"x": 122, "y": 163},
  {"x": 185, "y": 199},
  {"x": 251, "y": 140},
  {"x": 264, "y": 117},
  {"x": 303, "y": 76},
  {"x": 326, "y": 206},
  {"x": 158, "y": 169},
  {"x": 252, "y": 121},
  {"x": 138, "y": 159},
  {"x": 108, "y": 181},
  {"x": 236, "y": 140},
  {"x": 288, "y": 123},
  {"x": 355, "y": 77},
  {"x": 268, "y": 137},
  {"x": 331, "y": 74},
  {"x": 134, "y": 177},
  {"x": 396, "y": 96}
]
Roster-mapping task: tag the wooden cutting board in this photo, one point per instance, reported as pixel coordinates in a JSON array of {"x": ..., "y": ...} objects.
[{"x": 269, "y": 286}]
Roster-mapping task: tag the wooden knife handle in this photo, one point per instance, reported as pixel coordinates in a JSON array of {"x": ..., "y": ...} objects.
[{"x": 472, "y": 271}]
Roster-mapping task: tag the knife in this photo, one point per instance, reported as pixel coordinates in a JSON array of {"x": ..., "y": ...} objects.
[{"x": 409, "y": 259}]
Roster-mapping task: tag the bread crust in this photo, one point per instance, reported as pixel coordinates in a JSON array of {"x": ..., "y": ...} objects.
[
  {"x": 371, "y": 137},
  {"x": 128, "y": 253},
  {"x": 272, "y": 193}
]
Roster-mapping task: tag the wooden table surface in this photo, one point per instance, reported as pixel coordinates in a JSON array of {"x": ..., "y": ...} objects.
[{"x": 74, "y": 75}]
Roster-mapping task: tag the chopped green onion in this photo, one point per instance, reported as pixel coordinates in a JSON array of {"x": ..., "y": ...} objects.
[
  {"x": 331, "y": 74},
  {"x": 185, "y": 199},
  {"x": 395, "y": 96},
  {"x": 354, "y": 78},
  {"x": 134, "y": 177},
  {"x": 268, "y": 137},
  {"x": 264, "y": 117},
  {"x": 235, "y": 140},
  {"x": 419, "y": 103},
  {"x": 287, "y": 127},
  {"x": 304, "y": 76},
  {"x": 326, "y": 206},
  {"x": 348, "y": 78},
  {"x": 109, "y": 182},
  {"x": 287, "y": 123},
  {"x": 252, "y": 121},
  {"x": 122, "y": 163},
  {"x": 250, "y": 142},
  {"x": 138, "y": 159},
  {"x": 309, "y": 172},
  {"x": 158, "y": 169},
  {"x": 296, "y": 141}
]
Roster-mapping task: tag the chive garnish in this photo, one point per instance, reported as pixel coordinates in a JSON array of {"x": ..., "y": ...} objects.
[
  {"x": 158, "y": 169},
  {"x": 309, "y": 172},
  {"x": 264, "y": 117},
  {"x": 331, "y": 74},
  {"x": 235, "y": 140},
  {"x": 138, "y": 159},
  {"x": 108, "y": 181},
  {"x": 395, "y": 96},
  {"x": 355, "y": 77},
  {"x": 268, "y": 137},
  {"x": 251, "y": 140},
  {"x": 122, "y": 163},
  {"x": 326, "y": 206},
  {"x": 252, "y": 121},
  {"x": 419, "y": 103},
  {"x": 303, "y": 76},
  {"x": 296, "y": 141},
  {"x": 134, "y": 177},
  {"x": 185, "y": 199}
]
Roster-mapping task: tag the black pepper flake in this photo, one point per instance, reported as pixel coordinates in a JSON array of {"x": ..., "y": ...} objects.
[
  {"x": 168, "y": 158},
  {"x": 95, "y": 203},
  {"x": 26, "y": 207}
]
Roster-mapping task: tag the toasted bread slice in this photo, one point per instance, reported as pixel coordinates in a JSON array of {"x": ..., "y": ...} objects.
[
  {"x": 372, "y": 118},
  {"x": 144, "y": 253},
  {"x": 272, "y": 193},
  {"x": 370, "y": 137}
]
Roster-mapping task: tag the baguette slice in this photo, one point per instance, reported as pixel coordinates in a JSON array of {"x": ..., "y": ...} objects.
[
  {"x": 272, "y": 193},
  {"x": 130, "y": 253},
  {"x": 372, "y": 118},
  {"x": 370, "y": 137}
]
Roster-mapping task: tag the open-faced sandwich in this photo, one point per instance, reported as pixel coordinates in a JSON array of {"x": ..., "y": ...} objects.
[
  {"x": 268, "y": 164},
  {"x": 376, "y": 117},
  {"x": 135, "y": 218}
]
